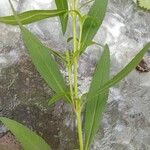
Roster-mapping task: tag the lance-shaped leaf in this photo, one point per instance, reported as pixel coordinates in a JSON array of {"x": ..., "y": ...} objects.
[
  {"x": 96, "y": 106},
  {"x": 93, "y": 22},
  {"x": 42, "y": 59},
  {"x": 44, "y": 62},
  {"x": 55, "y": 98},
  {"x": 63, "y": 4},
  {"x": 125, "y": 71},
  {"x": 31, "y": 16},
  {"x": 28, "y": 139}
]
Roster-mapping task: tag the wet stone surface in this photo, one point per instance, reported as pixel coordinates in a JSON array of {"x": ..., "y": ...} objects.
[
  {"x": 8, "y": 142},
  {"x": 24, "y": 97},
  {"x": 48, "y": 125},
  {"x": 22, "y": 83}
]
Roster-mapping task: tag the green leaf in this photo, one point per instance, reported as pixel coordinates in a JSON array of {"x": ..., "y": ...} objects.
[
  {"x": 144, "y": 4},
  {"x": 42, "y": 59},
  {"x": 58, "y": 54},
  {"x": 92, "y": 23},
  {"x": 96, "y": 106},
  {"x": 55, "y": 98},
  {"x": 44, "y": 62},
  {"x": 63, "y": 4},
  {"x": 28, "y": 139},
  {"x": 124, "y": 72},
  {"x": 31, "y": 16},
  {"x": 69, "y": 39},
  {"x": 95, "y": 43}
]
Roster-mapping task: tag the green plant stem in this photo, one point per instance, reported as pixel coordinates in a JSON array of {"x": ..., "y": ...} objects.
[
  {"x": 80, "y": 36},
  {"x": 79, "y": 122},
  {"x": 76, "y": 59},
  {"x": 77, "y": 101},
  {"x": 70, "y": 75}
]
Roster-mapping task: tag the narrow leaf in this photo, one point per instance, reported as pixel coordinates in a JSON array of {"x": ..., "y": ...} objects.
[
  {"x": 69, "y": 39},
  {"x": 44, "y": 62},
  {"x": 93, "y": 22},
  {"x": 124, "y": 72},
  {"x": 28, "y": 139},
  {"x": 96, "y": 106},
  {"x": 63, "y": 4},
  {"x": 57, "y": 54},
  {"x": 55, "y": 98},
  {"x": 42, "y": 59},
  {"x": 31, "y": 16}
]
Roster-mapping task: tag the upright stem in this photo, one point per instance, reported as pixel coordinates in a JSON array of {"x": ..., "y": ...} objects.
[
  {"x": 79, "y": 123},
  {"x": 75, "y": 71},
  {"x": 70, "y": 75},
  {"x": 75, "y": 49}
]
